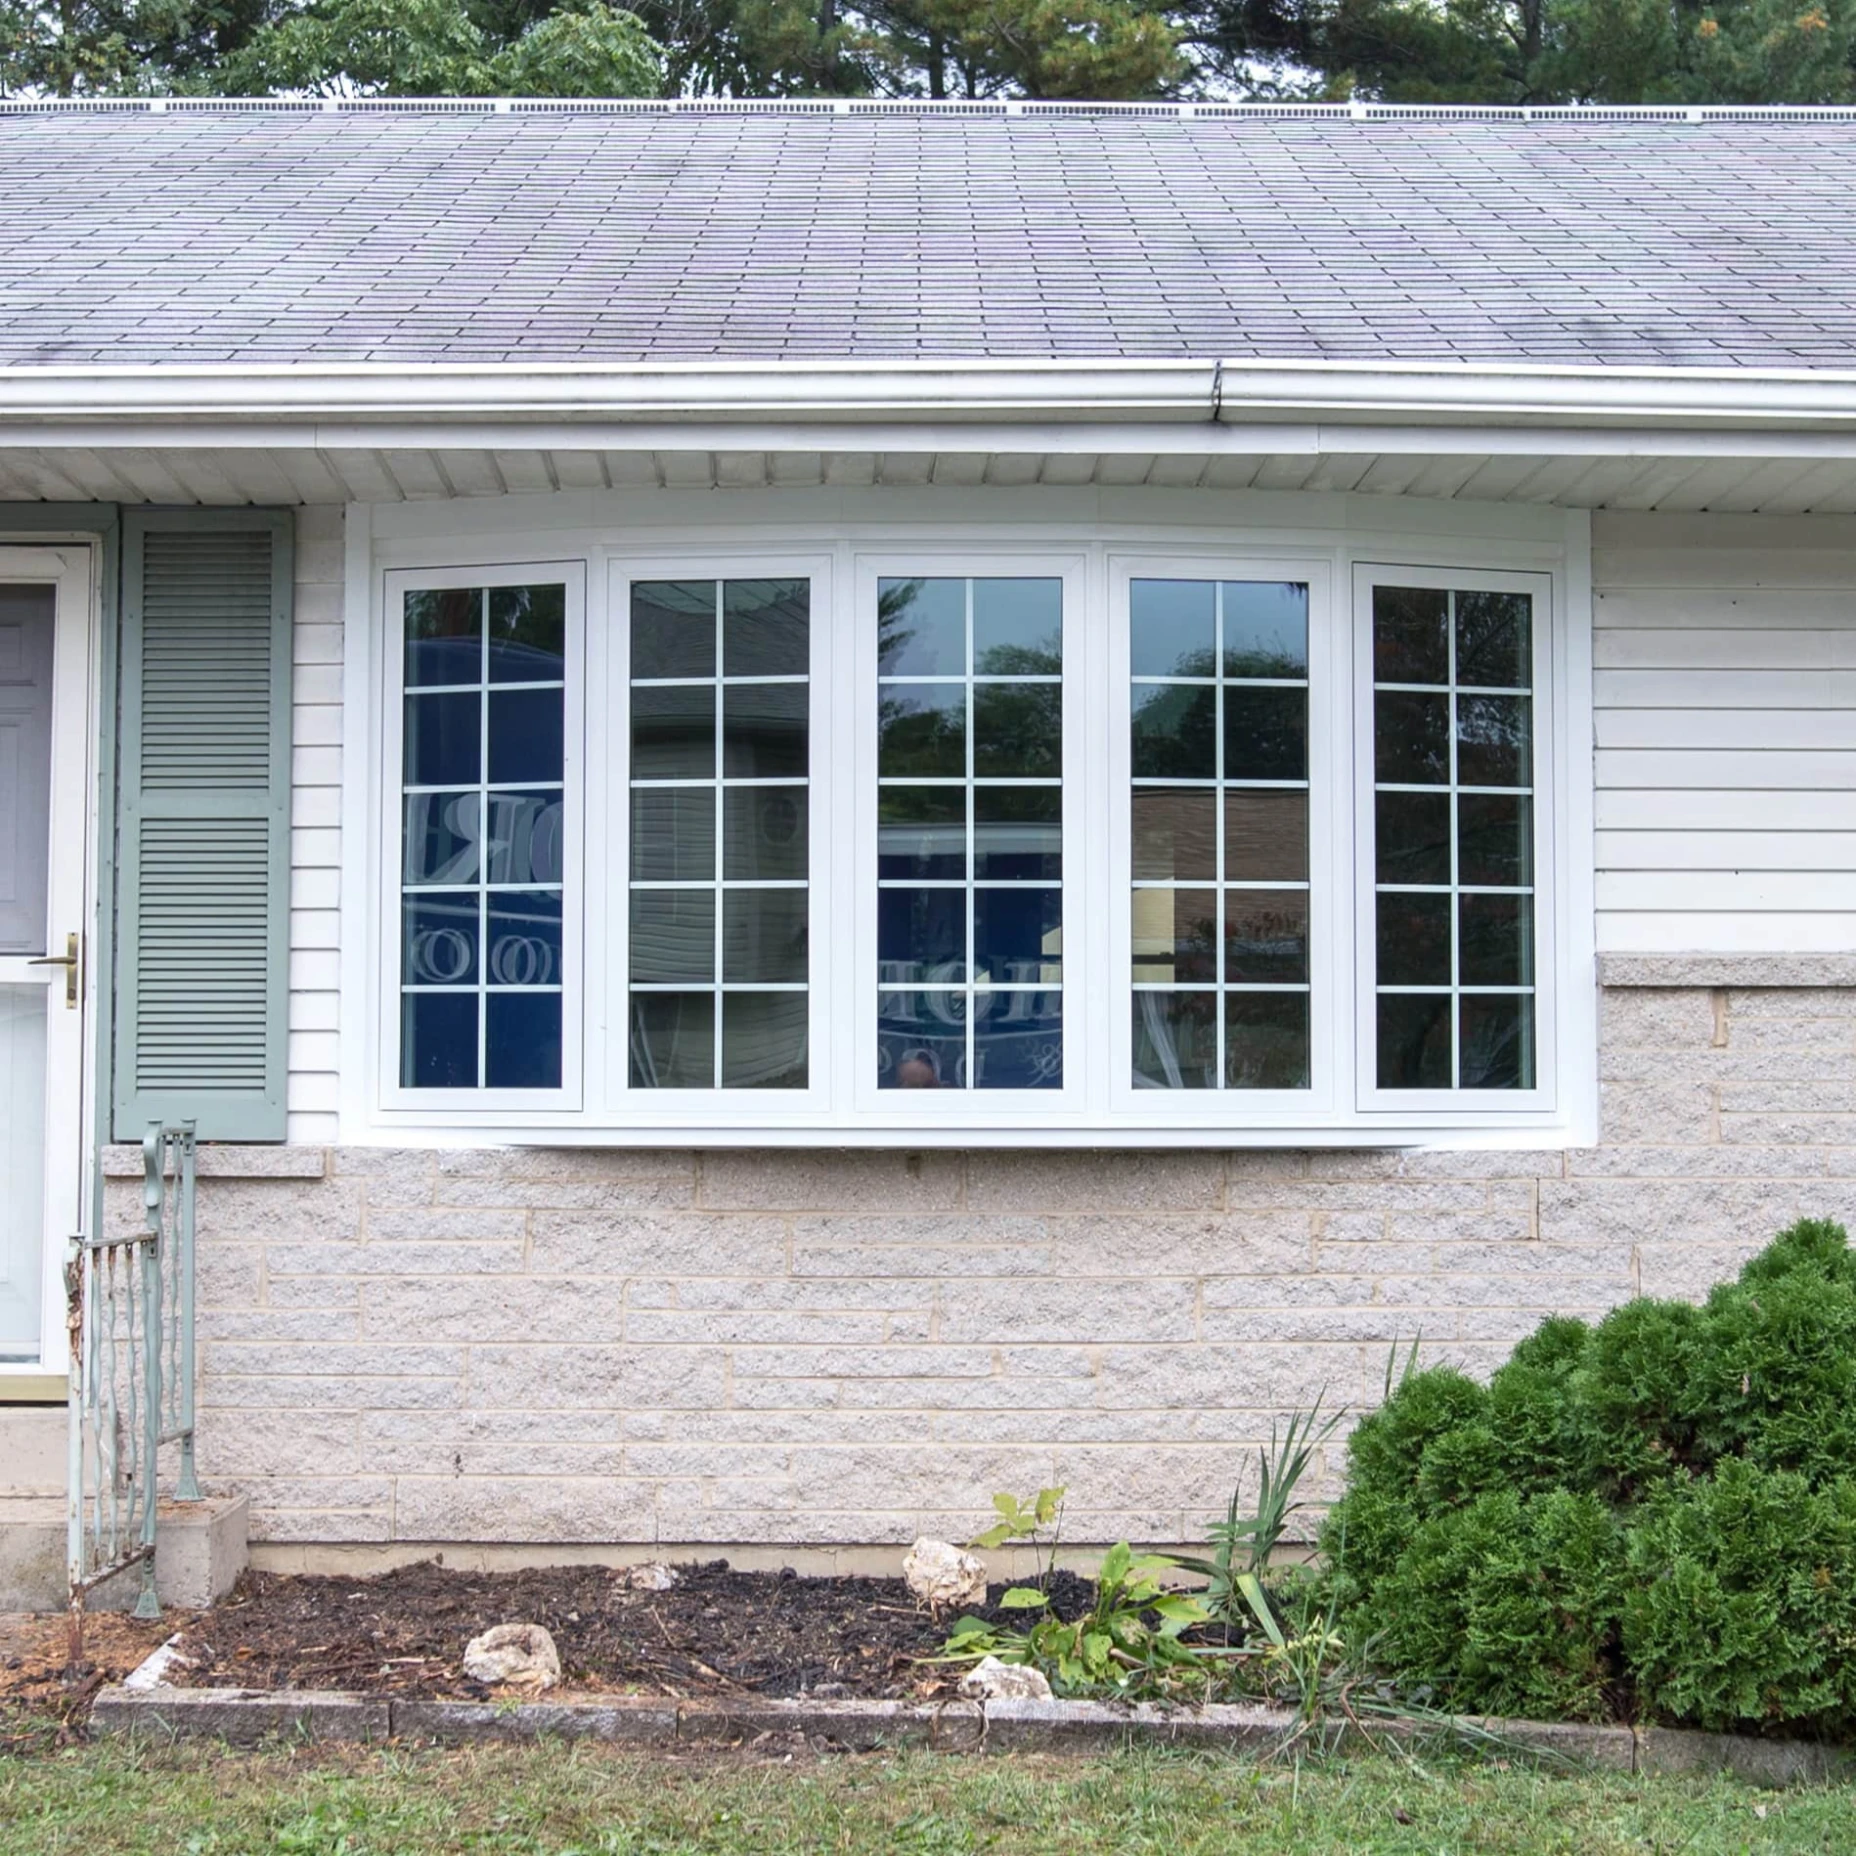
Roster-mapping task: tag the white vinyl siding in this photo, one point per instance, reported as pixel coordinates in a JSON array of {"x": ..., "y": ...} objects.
[
  {"x": 1724, "y": 652},
  {"x": 315, "y": 827}
]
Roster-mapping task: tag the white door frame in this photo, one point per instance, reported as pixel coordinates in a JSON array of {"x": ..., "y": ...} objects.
[{"x": 70, "y": 568}]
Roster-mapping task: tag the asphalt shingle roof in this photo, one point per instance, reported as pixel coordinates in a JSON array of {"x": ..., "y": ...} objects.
[{"x": 395, "y": 235}]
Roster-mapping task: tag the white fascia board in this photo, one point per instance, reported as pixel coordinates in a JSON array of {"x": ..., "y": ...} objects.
[{"x": 330, "y": 399}]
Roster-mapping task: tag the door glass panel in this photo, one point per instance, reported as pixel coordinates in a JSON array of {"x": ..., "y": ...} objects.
[
  {"x": 22, "y": 1143},
  {"x": 25, "y": 764}
]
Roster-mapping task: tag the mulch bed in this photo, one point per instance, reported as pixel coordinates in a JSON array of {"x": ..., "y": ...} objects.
[{"x": 716, "y": 1632}]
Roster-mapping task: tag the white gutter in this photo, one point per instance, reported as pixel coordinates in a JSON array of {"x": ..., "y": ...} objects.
[{"x": 927, "y": 393}]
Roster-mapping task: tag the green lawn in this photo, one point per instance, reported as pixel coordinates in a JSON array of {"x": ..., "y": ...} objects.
[{"x": 555, "y": 1800}]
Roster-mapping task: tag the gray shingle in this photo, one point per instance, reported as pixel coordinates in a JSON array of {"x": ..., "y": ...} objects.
[{"x": 398, "y": 235}]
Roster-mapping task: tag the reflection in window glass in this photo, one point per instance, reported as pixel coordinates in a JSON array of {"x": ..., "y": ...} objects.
[
  {"x": 481, "y": 844},
  {"x": 970, "y": 833},
  {"x": 1219, "y": 760},
  {"x": 1453, "y": 820},
  {"x": 720, "y": 765}
]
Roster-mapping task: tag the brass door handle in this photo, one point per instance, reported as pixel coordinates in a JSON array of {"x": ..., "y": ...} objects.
[{"x": 71, "y": 960}]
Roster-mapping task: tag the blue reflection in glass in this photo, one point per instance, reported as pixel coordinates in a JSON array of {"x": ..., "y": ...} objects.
[
  {"x": 522, "y": 1040},
  {"x": 438, "y": 1040},
  {"x": 921, "y": 1040},
  {"x": 444, "y": 636},
  {"x": 1018, "y": 934},
  {"x": 439, "y": 941},
  {"x": 921, "y": 628},
  {"x": 1018, "y": 1040},
  {"x": 1171, "y": 628},
  {"x": 921, "y": 934},
  {"x": 525, "y": 735},
  {"x": 1265, "y": 629},
  {"x": 524, "y": 937},
  {"x": 1018, "y": 627},
  {"x": 442, "y": 745}
]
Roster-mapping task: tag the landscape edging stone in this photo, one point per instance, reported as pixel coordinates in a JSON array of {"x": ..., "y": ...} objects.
[{"x": 244, "y": 1717}]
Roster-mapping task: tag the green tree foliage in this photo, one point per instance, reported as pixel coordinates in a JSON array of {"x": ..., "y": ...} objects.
[
  {"x": 1533, "y": 51},
  {"x": 1654, "y": 1514}
]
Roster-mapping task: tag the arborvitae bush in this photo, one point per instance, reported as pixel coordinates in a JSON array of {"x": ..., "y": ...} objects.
[{"x": 1651, "y": 1518}]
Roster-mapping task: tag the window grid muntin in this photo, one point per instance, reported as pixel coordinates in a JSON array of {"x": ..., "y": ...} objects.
[
  {"x": 1220, "y": 987},
  {"x": 969, "y": 783},
  {"x": 719, "y": 783},
  {"x": 1453, "y": 792},
  {"x": 412, "y": 894}
]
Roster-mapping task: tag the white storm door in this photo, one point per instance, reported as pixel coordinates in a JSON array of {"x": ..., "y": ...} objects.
[{"x": 44, "y": 868}]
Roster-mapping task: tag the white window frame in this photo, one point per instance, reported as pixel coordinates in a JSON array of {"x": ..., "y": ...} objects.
[
  {"x": 569, "y": 1097},
  {"x": 1096, "y": 542},
  {"x": 1452, "y": 1106}
]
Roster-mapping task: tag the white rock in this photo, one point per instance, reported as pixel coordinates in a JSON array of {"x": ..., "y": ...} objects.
[
  {"x": 522, "y": 1655},
  {"x": 651, "y": 1577},
  {"x": 942, "y": 1576},
  {"x": 992, "y": 1680}
]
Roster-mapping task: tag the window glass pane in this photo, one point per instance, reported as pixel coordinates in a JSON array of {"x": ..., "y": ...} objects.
[
  {"x": 1237, "y": 846},
  {"x": 764, "y": 730},
  {"x": 1018, "y": 832},
  {"x": 1265, "y": 936},
  {"x": 673, "y": 628},
  {"x": 1018, "y": 935},
  {"x": 523, "y": 934},
  {"x": 1494, "y": 740},
  {"x": 969, "y": 870},
  {"x": 443, "y": 740},
  {"x": 764, "y": 832},
  {"x": 921, "y": 1040},
  {"x": 1018, "y": 1040},
  {"x": 1414, "y": 938},
  {"x": 1265, "y": 629},
  {"x": 1265, "y": 733},
  {"x": 1176, "y": 832},
  {"x": 528, "y": 634},
  {"x": 438, "y": 1040},
  {"x": 1175, "y": 935},
  {"x": 439, "y": 935},
  {"x": 482, "y": 912},
  {"x": 444, "y": 636},
  {"x": 922, "y": 628},
  {"x": 1171, "y": 628},
  {"x": 1265, "y": 836},
  {"x": 723, "y": 925},
  {"x": 1497, "y": 1041},
  {"x": 673, "y": 834},
  {"x": 763, "y": 935},
  {"x": 921, "y": 832},
  {"x": 1266, "y": 1040},
  {"x": 1414, "y": 1040},
  {"x": 1017, "y": 628},
  {"x": 673, "y": 935},
  {"x": 525, "y": 735},
  {"x": 764, "y": 1040},
  {"x": 1449, "y": 848},
  {"x": 1495, "y": 839},
  {"x": 1175, "y": 1040},
  {"x": 1411, "y": 635},
  {"x": 673, "y": 732},
  {"x": 922, "y": 729},
  {"x": 1175, "y": 732},
  {"x": 1411, "y": 837},
  {"x": 522, "y": 1040},
  {"x": 1494, "y": 641},
  {"x": 766, "y": 626},
  {"x": 673, "y": 1040},
  {"x": 1411, "y": 739}
]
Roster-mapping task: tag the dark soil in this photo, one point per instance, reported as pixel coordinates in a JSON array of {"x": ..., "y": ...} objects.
[{"x": 717, "y": 1632}]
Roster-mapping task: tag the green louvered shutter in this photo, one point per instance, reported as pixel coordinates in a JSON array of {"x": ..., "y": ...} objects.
[{"x": 203, "y": 823}]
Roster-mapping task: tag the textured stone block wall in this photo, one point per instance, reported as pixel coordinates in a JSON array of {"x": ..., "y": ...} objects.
[{"x": 840, "y": 1347}]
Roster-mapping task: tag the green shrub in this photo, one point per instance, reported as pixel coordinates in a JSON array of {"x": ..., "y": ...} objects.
[{"x": 1655, "y": 1515}]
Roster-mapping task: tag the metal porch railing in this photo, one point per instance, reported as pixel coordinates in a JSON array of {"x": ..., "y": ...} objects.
[{"x": 129, "y": 1313}]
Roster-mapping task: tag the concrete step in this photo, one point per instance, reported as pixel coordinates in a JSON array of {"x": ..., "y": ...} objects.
[
  {"x": 33, "y": 1445},
  {"x": 200, "y": 1552}
]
